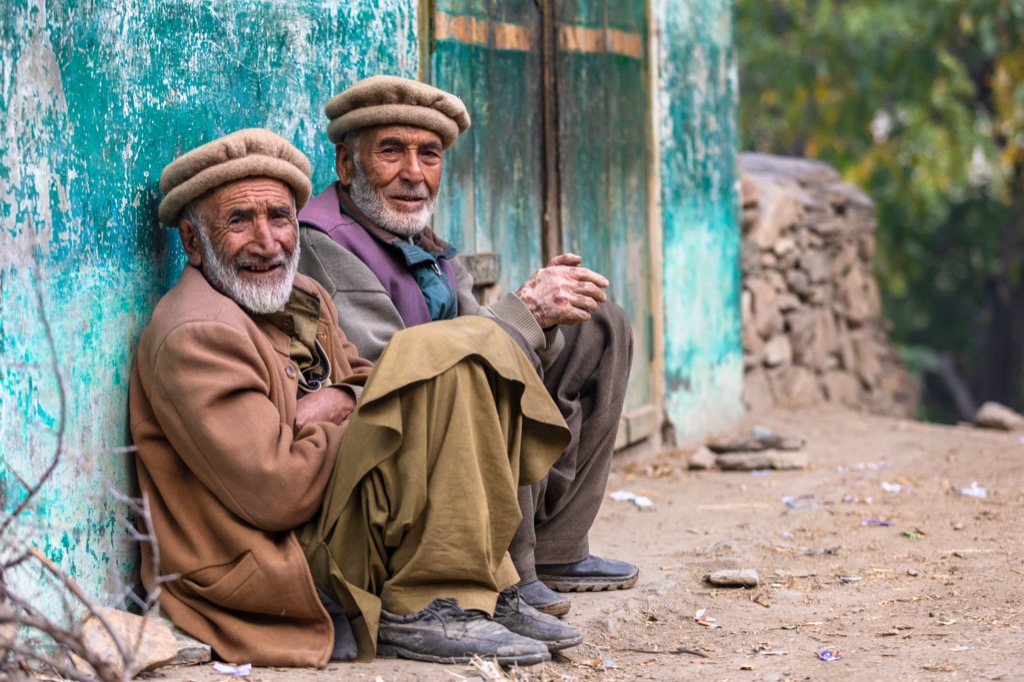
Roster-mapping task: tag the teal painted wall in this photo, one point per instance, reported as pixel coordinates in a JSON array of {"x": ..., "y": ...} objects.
[
  {"x": 700, "y": 214},
  {"x": 97, "y": 96}
]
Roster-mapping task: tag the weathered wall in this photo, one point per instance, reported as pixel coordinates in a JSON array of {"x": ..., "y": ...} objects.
[
  {"x": 99, "y": 95},
  {"x": 96, "y": 98},
  {"x": 696, "y": 123}
]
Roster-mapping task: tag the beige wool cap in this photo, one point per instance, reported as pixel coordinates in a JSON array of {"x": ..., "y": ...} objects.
[
  {"x": 391, "y": 100},
  {"x": 253, "y": 152}
]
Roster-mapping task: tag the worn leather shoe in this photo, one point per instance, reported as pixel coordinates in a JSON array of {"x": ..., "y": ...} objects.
[
  {"x": 543, "y": 598},
  {"x": 522, "y": 619},
  {"x": 444, "y": 633},
  {"x": 592, "y": 574}
]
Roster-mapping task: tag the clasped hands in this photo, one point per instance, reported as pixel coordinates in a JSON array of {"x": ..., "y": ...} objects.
[{"x": 563, "y": 292}]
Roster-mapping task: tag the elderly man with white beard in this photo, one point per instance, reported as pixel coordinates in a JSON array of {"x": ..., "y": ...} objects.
[
  {"x": 367, "y": 240},
  {"x": 307, "y": 504}
]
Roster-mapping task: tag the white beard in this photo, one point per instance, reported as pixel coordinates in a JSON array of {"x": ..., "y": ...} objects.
[
  {"x": 257, "y": 297},
  {"x": 376, "y": 209}
]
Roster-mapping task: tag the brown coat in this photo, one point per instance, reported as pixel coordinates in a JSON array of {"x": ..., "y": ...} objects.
[{"x": 212, "y": 403}]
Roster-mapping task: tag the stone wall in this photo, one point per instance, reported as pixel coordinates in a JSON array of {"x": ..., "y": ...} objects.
[{"x": 813, "y": 329}]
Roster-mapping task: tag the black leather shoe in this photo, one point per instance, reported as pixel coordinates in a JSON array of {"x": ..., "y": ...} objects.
[
  {"x": 593, "y": 574},
  {"x": 522, "y": 619},
  {"x": 444, "y": 633},
  {"x": 543, "y": 598}
]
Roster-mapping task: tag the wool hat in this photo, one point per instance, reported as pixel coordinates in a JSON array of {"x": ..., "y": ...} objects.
[
  {"x": 391, "y": 100},
  {"x": 253, "y": 152}
]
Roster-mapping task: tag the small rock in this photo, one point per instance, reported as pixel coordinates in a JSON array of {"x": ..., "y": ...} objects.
[
  {"x": 993, "y": 415},
  {"x": 789, "y": 461},
  {"x": 190, "y": 650},
  {"x": 701, "y": 459},
  {"x": 150, "y": 640},
  {"x": 732, "y": 578}
]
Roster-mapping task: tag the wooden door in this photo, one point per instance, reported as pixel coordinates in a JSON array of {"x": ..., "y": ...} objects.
[{"x": 557, "y": 157}]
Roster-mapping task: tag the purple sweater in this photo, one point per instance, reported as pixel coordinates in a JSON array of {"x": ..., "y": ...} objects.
[{"x": 385, "y": 261}]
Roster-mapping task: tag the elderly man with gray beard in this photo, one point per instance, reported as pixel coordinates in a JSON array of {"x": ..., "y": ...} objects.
[
  {"x": 366, "y": 239},
  {"x": 307, "y": 504}
]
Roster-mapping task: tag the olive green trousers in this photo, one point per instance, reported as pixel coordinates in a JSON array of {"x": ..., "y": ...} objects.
[{"x": 423, "y": 501}]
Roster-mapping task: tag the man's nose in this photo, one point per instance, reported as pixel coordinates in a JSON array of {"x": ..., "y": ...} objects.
[
  {"x": 264, "y": 238},
  {"x": 412, "y": 171}
]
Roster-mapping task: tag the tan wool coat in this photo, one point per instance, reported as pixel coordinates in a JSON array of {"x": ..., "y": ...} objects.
[{"x": 212, "y": 403}]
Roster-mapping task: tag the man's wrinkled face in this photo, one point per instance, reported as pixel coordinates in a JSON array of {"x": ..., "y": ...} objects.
[
  {"x": 248, "y": 242},
  {"x": 393, "y": 173}
]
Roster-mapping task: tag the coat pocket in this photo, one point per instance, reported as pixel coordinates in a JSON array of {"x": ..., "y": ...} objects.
[{"x": 222, "y": 584}]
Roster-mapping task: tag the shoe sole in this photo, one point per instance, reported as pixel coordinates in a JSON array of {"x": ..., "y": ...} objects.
[
  {"x": 561, "y": 583},
  {"x": 392, "y": 651},
  {"x": 560, "y": 644},
  {"x": 558, "y": 608}
]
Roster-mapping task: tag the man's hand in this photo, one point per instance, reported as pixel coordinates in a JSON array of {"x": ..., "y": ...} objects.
[
  {"x": 563, "y": 292},
  {"x": 330, "y": 404}
]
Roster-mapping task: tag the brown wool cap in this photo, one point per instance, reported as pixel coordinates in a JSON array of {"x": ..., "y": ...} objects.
[
  {"x": 253, "y": 152},
  {"x": 390, "y": 100}
]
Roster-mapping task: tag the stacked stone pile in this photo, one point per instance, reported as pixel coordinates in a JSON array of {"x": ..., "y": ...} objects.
[{"x": 813, "y": 329}]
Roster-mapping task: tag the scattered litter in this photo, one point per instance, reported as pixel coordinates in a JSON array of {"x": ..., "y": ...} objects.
[
  {"x": 829, "y": 655},
  {"x": 794, "y": 498},
  {"x": 865, "y": 466},
  {"x": 958, "y": 649},
  {"x": 606, "y": 660},
  {"x": 916, "y": 534},
  {"x": 974, "y": 491},
  {"x": 895, "y": 487},
  {"x": 850, "y": 499},
  {"x": 958, "y": 526},
  {"x": 732, "y": 578},
  {"x": 874, "y": 521},
  {"x": 800, "y": 625},
  {"x": 760, "y": 601},
  {"x": 947, "y": 622},
  {"x": 850, "y": 578},
  {"x": 702, "y": 619},
  {"x": 627, "y": 496},
  {"x": 746, "y": 666},
  {"x": 796, "y": 501},
  {"x": 816, "y": 552},
  {"x": 236, "y": 670},
  {"x": 912, "y": 572}
]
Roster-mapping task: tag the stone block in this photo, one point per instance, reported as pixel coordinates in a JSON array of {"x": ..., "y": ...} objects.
[
  {"x": 767, "y": 318},
  {"x": 150, "y": 641},
  {"x": 993, "y": 415},
  {"x": 794, "y": 386},
  {"x": 817, "y": 264},
  {"x": 701, "y": 459},
  {"x": 778, "y": 351}
]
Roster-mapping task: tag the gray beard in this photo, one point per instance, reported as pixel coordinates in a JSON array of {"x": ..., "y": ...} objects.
[
  {"x": 372, "y": 204},
  {"x": 257, "y": 298}
]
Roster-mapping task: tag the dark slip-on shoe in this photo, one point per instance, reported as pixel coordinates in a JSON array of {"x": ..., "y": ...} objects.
[{"x": 592, "y": 574}]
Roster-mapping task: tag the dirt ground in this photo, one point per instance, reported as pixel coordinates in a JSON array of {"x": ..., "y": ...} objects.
[{"x": 937, "y": 595}]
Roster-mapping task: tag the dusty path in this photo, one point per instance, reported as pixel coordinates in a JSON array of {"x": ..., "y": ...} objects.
[{"x": 935, "y": 596}]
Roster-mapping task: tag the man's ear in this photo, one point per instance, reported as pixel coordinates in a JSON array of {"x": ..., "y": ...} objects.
[
  {"x": 344, "y": 164},
  {"x": 189, "y": 233}
]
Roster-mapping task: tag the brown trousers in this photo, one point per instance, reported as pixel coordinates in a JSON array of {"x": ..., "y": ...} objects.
[
  {"x": 587, "y": 381},
  {"x": 423, "y": 502}
]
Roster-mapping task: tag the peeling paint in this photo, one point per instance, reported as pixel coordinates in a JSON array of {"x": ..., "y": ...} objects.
[{"x": 700, "y": 215}]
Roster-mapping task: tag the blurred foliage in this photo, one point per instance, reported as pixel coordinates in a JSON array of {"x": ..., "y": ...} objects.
[{"x": 921, "y": 103}]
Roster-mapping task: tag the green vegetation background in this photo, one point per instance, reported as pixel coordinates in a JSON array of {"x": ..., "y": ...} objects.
[{"x": 920, "y": 103}]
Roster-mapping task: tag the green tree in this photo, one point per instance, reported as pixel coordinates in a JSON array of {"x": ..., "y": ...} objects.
[{"x": 921, "y": 103}]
